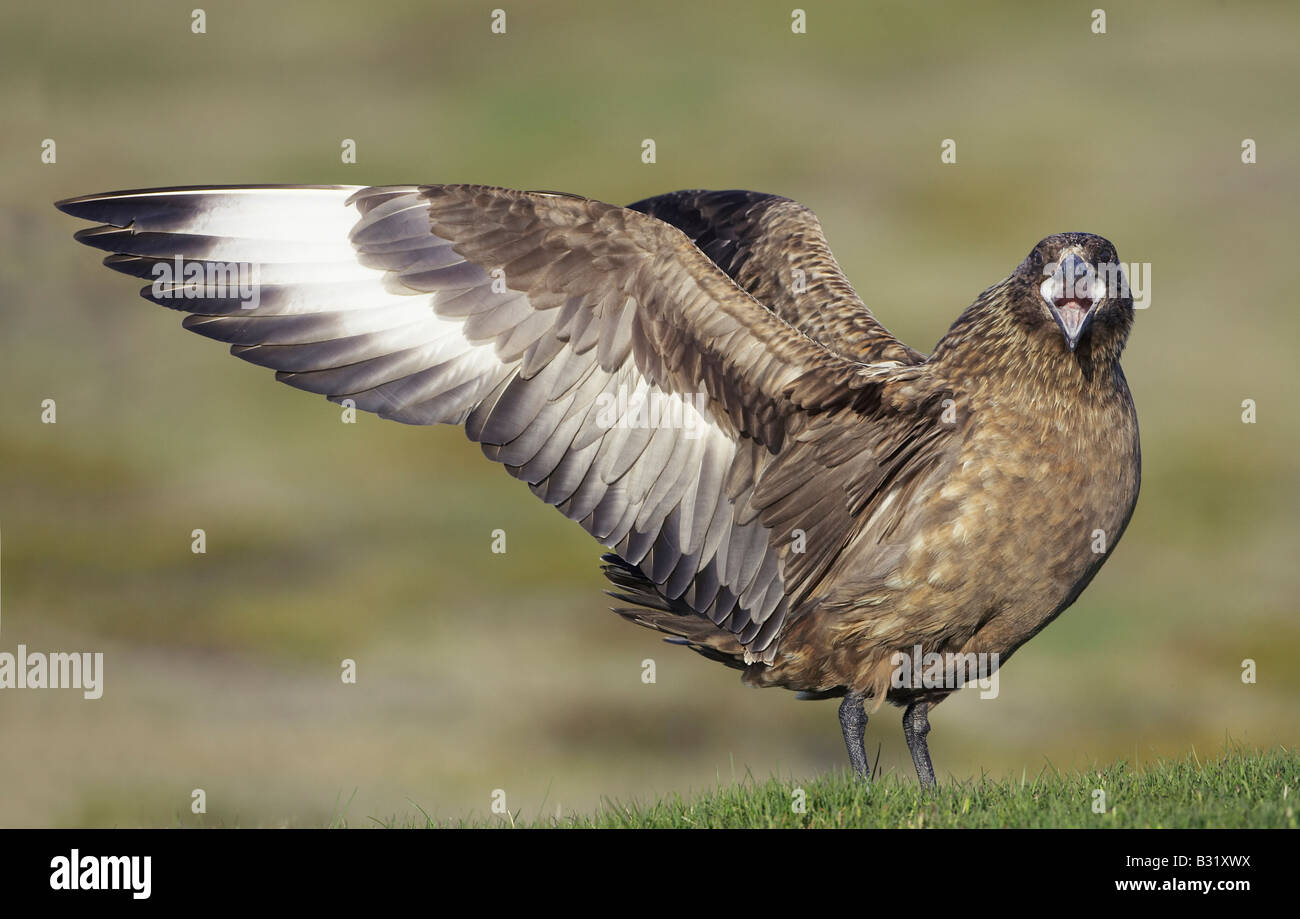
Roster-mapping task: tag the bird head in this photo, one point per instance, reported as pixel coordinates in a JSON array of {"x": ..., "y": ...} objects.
[{"x": 1073, "y": 283}]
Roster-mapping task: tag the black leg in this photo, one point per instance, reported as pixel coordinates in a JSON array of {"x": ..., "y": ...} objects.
[
  {"x": 853, "y": 722},
  {"x": 916, "y": 724}
]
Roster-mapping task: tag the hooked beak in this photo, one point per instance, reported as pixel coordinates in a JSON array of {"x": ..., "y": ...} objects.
[{"x": 1071, "y": 297}]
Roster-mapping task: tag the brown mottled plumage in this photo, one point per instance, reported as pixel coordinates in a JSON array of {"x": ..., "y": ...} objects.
[{"x": 814, "y": 496}]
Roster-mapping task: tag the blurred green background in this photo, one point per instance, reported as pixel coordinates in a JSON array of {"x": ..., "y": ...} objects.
[{"x": 371, "y": 541}]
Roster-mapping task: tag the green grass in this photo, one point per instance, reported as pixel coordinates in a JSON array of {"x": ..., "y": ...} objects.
[{"x": 1240, "y": 789}]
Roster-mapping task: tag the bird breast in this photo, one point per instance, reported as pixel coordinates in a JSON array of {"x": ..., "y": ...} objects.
[
  {"x": 993, "y": 545},
  {"x": 1034, "y": 502}
]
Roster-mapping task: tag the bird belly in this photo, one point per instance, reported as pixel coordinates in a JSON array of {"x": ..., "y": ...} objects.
[{"x": 997, "y": 545}]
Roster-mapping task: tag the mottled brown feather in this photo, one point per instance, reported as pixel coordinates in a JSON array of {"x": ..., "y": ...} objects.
[{"x": 848, "y": 498}]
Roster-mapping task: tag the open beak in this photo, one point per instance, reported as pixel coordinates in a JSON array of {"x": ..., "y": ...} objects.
[{"x": 1070, "y": 296}]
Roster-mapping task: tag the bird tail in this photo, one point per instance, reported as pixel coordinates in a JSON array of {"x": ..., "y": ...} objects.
[{"x": 683, "y": 625}]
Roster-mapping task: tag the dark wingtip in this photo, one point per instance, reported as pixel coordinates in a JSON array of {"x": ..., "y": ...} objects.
[
  {"x": 94, "y": 236},
  {"x": 94, "y": 207},
  {"x": 105, "y": 207},
  {"x": 71, "y": 206}
]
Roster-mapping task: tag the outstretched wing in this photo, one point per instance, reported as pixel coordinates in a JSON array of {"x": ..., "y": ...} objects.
[
  {"x": 774, "y": 249},
  {"x": 591, "y": 349}
]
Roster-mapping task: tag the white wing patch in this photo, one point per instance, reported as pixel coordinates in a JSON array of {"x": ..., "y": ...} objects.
[{"x": 358, "y": 299}]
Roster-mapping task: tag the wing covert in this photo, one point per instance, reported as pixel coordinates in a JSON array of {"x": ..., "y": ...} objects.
[{"x": 593, "y": 350}]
